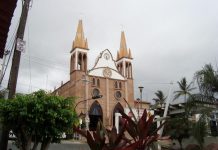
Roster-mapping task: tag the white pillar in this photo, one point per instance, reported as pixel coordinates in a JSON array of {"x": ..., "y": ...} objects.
[
  {"x": 124, "y": 69},
  {"x": 166, "y": 106},
  {"x": 158, "y": 132},
  {"x": 117, "y": 115},
  {"x": 76, "y": 59},
  {"x": 107, "y": 97}
]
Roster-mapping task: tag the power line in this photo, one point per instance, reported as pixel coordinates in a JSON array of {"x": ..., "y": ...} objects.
[
  {"x": 30, "y": 84},
  {"x": 24, "y": 84},
  {"x": 48, "y": 66},
  {"x": 46, "y": 60}
]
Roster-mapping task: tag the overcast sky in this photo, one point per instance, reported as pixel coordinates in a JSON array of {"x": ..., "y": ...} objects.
[{"x": 169, "y": 39}]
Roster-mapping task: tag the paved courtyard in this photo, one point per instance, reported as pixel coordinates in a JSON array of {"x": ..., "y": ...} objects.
[{"x": 65, "y": 145}]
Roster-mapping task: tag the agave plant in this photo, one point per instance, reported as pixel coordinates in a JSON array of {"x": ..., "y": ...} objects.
[
  {"x": 140, "y": 131},
  {"x": 97, "y": 139}
]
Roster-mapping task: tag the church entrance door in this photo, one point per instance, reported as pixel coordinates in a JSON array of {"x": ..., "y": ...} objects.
[{"x": 95, "y": 115}]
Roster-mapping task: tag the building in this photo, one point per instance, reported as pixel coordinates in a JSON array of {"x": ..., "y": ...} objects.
[{"x": 109, "y": 77}]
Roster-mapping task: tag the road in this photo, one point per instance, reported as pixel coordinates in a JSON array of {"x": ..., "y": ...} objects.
[{"x": 65, "y": 145}]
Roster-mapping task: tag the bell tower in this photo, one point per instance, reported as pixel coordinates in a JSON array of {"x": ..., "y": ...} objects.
[
  {"x": 124, "y": 66},
  {"x": 79, "y": 51},
  {"x": 124, "y": 59}
]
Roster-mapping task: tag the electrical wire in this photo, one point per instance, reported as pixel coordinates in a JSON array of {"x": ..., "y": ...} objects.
[
  {"x": 48, "y": 66},
  {"x": 46, "y": 60},
  {"x": 30, "y": 74}
]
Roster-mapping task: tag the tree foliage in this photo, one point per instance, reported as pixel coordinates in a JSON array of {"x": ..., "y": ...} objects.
[
  {"x": 37, "y": 117},
  {"x": 178, "y": 128},
  {"x": 185, "y": 89},
  {"x": 199, "y": 130},
  {"x": 160, "y": 97},
  {"x": 207, "y": 79}
]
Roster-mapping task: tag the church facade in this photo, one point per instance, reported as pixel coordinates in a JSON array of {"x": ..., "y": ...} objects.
[{"x": 109, "y": 77}]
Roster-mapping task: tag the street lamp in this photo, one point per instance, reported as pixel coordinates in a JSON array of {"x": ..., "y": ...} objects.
[
  {"x": 87, "y": 116},
  {"x": 138, "y": 99},
  {"x": 140, "y": 89}
]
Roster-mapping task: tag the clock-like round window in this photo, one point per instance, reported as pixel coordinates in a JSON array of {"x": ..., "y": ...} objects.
[
  {"x": 118, "y": 94},
  {"x": 107, "y": 72},
  {"x": 95, "y": 92},
  {"x": 106, "y": 56}
]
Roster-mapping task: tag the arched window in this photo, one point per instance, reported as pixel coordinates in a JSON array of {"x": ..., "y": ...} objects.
[
  {"x": 93, "y": 81},
  {"x": 98, "y": 83},
  {"x": 116, "y": 84},
  {"x": 84, "y": 63},
  {"x": 79, "y": 65},
  {"x": 120, "y": 85}
]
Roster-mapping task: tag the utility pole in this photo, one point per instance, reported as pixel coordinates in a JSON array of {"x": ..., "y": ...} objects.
[
  {"x": 15, "y": 67},
  {"x": 17, "y": 54}
]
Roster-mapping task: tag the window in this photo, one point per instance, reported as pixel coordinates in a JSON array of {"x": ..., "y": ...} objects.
[
  {"x": 95, "y": 92},
  {"x": 120, "y": 85},
  {"x": 93, "y": 81},
  {"x": 98, "y": 83},
  {"x": 118, "y": 95},
  {"x": 116, "y": 84}
]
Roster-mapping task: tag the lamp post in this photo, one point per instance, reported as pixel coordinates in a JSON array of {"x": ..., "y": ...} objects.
[
  {"x": 138, "y": 99},
  {"x": 85, "y": 100},
  {"x": 140, "y": 90}
]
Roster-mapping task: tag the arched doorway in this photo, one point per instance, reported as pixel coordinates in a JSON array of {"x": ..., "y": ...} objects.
[
  {"x": 117, "y": 109},
  {"x": 95, "y": 114}
]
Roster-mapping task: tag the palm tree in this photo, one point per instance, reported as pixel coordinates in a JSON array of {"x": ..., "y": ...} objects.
[
  {"x": 207, "y": 80},
  {"x": 185, "y": 89},
  {"x": 160, "y": 98}
]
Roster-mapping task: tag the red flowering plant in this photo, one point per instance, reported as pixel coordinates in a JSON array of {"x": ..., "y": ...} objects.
[{"x": 142, "y": 135}]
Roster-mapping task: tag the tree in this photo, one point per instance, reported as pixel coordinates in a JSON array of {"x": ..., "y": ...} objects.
[
  {"x": 178, "y": 128},
  {"x": 207, "y": 79},
  {"x": 185, "y": 89},
  {"x": 199, "y": 130},
  {"x": 37, "y": 117},
  {"x": 160, "y": 98}
]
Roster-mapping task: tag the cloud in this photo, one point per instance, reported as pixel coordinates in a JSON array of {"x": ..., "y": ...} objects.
[{"x": 169, "y": 39}]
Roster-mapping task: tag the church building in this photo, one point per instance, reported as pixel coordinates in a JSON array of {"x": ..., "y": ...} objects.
[{"x": 112, "y": 78}]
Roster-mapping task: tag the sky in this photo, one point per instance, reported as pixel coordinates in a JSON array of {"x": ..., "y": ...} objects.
[{"x": 169, "y": 39}]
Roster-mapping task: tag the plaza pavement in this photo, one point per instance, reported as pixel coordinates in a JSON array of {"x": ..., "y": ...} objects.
[{"x": 64, "y": 145}]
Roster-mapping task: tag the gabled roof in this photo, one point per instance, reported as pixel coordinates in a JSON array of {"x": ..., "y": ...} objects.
[{"x": 105, "y": 60}]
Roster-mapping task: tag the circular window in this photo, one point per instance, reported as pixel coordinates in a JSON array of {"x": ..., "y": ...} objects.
[
  {"x": 95, "y": 92},
  {"x": 106, "y": 56},
  {"x": 118, "y": 94},
  {"x": 107, "y": 72}
]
